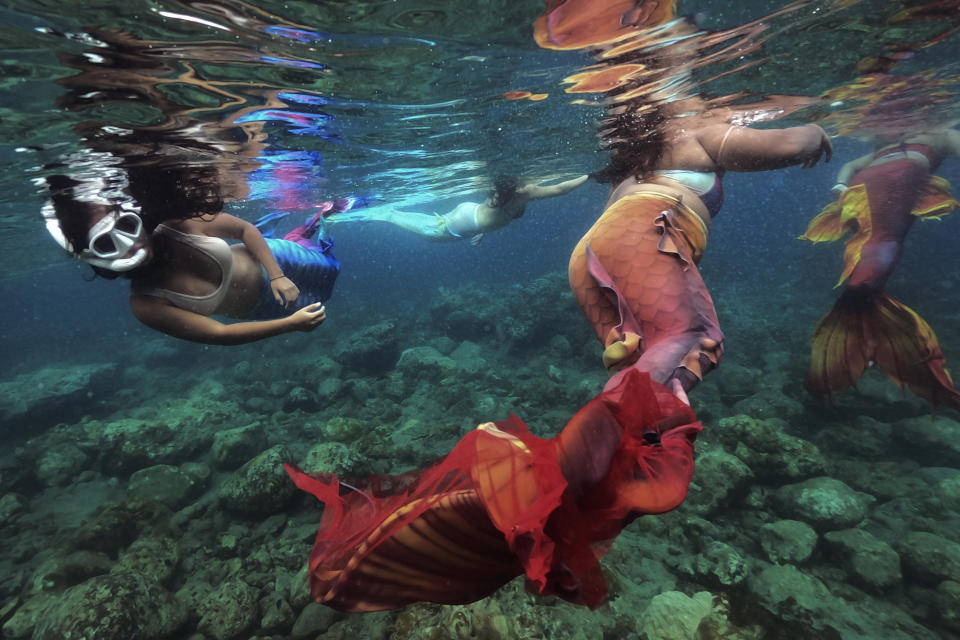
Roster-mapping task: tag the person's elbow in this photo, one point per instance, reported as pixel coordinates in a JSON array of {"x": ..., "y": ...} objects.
[{"x": 202, "y": 329}]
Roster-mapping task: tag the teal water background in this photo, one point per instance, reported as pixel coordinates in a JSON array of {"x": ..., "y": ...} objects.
[{"x": 413, "y": 115}]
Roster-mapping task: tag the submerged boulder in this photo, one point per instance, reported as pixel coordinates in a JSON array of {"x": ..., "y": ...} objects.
[
  {"x": 869, "y": 561},
  {"x": 788, "y": 541},
  {"x": 673, "y": 615},
  {"x": 928, "y": 557},
  {"x": 825, "y": 503},
  {"x": 116, "y": 606},
  {"x": 230, "y": 611},
  {"x": 261, "y": 486},
  {"x": 372, "y": 350},
  {"x": 769, "y": 451},
  {"x": 54, "y": 394},
  {"x": 936, "y": 441},
  {"x": 720, "y": 480}
]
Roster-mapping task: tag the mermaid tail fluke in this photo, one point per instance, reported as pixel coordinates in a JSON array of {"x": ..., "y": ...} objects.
[
  {"x": 868, "y": 327},
  {"x": 503, "y": 503}
]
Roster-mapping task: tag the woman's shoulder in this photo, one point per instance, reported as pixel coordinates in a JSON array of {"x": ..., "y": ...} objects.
[
  {"x": 221, "y": 225},
  {"x": 695, "y": 149}
]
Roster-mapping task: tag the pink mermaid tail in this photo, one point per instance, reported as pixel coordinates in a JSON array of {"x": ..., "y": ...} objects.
[
  {"x": 867, "y": 325},
  {"x": 303, "y": 235}
]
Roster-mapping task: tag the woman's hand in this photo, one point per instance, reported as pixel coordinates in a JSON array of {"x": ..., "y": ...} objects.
[
  {"x": 308, "y": 318},
  {"x": 284, "y": 291},
  {"x": 838, "y": 189},
  {"x": 825, "y": 149}
]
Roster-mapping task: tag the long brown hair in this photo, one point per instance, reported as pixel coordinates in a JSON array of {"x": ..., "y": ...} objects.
[{"x": 633, "y": 132}]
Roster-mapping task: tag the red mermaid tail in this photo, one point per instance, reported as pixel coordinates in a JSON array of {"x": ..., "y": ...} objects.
[
  {"x": 505, "y": 502},
  {"x": 865, "y": 327}
]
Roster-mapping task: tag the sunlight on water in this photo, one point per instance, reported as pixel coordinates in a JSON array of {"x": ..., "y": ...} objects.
[{"x": 403, "y": 104}]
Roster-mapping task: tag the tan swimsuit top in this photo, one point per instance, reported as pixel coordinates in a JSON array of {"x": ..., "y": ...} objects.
[{"x": 214, "y": 248}]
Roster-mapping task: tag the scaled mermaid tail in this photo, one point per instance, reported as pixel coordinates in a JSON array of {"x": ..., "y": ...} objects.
[
  {"x": 865, "y": 327},
  {"x": 634, "y": 276},
  {"x": 852, "y": 213},
  {"x": 505, "y": 502}
]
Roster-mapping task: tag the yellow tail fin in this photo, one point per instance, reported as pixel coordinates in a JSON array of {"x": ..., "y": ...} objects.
[{"x": 864, "y": 328}]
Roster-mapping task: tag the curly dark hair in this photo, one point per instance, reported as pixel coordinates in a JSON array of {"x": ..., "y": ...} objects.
[
  {"x": 504, "y": 188},
  {"x": 170, "y": 193},
  {"x": 633, "y": 132}
]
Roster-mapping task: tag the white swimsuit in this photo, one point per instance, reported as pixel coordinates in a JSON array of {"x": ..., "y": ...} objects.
[{"x": 463, "y": 224}]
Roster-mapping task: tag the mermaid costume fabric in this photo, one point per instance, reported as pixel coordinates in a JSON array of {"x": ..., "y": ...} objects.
[
  {"x": 308, "y": 262},
  {"x": 505, "y": 503},
  {"x": 866, "y": 324},
  {"x": 635, "y": 277}
]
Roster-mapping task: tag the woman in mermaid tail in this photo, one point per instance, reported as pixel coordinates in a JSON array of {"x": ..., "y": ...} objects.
[
  {"x": 634, "y": 273},
  {"x": 506, "y": 202},
  {"x": 146, "y": 201},
  {"x": 879, "y": 197},
  {"x": 171, "y": 244}
]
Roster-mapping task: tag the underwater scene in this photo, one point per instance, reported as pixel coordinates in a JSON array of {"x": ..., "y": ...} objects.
[{"x": 509, "y": 319}]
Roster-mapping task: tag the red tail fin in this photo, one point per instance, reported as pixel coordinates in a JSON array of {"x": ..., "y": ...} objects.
[{"x": 505, "y": 502}]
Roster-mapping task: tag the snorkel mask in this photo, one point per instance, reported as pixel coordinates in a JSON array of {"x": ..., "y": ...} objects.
[
  {"x": 111, "y": 239},
  {"x": 97, "y": 181}
]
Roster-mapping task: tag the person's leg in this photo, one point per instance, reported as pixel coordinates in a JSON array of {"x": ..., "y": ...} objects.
[{"x": 426, "y": 225}]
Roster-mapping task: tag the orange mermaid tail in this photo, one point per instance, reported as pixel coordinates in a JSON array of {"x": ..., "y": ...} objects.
[
  {"x": 503, "y": 503},
  {"x": 634, "y": 276},
  {"x": 577, "y": 24},
  {"x": 865, "y": 327}
]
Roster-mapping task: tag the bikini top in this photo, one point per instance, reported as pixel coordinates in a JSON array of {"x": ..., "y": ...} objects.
[
  {"x": 214, "y": 248},
  {"x": 706, "y": 184},
  {"x": 921, "y": 153}
]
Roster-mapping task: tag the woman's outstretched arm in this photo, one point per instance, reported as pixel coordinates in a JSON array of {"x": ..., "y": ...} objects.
[
  {"x": 736, "y": 148},
  {"x": 194, "y": 327},
  {"x": 538, "y": 192}
]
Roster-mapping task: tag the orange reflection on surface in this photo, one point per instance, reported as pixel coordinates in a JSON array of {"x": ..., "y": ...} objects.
[
  {"x": 879, "y": 102},
  {"x": 575, "y": 24},
  {"x": 602, "y": 79},
  {"x": 520, "y": 95}
]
